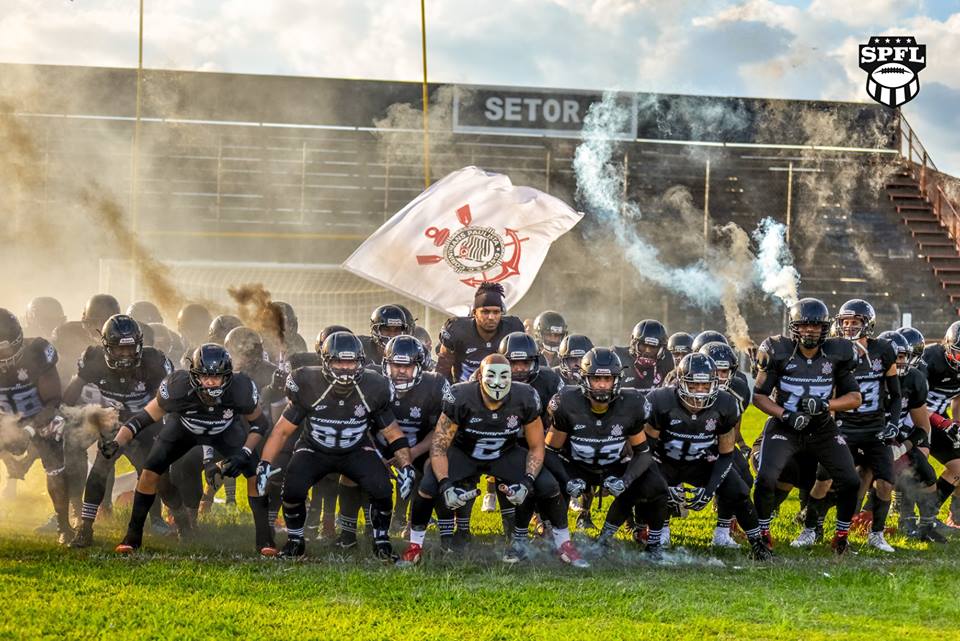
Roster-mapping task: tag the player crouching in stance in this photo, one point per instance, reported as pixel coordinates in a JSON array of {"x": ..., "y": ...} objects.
[
  {"x": 692, "y": 429},
  {"x": 587, "y": 446},
  {"x": 477, "y": 434},
  {"x": 201, "y": 407},
  {"x": 338, "y": 404}
]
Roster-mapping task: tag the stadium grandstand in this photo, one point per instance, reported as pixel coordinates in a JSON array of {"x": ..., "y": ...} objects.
[{"x": 278, "y": 179}]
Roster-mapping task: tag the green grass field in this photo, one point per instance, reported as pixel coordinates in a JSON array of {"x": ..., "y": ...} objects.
[{"x": 214, "y": 587}]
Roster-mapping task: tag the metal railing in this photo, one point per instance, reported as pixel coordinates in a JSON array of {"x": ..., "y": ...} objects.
[{"x": 931, "y": 180}]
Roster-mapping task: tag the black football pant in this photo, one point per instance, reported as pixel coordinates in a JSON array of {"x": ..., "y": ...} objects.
[
  {"x": 733, "y": 493},
  {"x": 780, "y": 444},
  {"x": 51, "y": 456},
  {"x": 362, "y": 465}
]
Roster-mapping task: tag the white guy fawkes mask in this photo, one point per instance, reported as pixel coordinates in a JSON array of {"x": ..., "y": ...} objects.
[{"x": 495, "y": 380}]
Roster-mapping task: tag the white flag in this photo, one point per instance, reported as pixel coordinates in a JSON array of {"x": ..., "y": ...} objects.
[{"x": 472, "y": 226}]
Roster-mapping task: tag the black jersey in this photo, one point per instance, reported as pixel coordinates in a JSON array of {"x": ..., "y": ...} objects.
[
  {"x": 178, "y": 395},
  {"x": 18, "y": 383},
  {"x": 547, "y": 383},
  {"x": 485, "y": 434},
  {"x": 596, "y": 441},
  {"x": 459, "y": 335},
  {"x": 644, "y": 379},
  {"x": 740, "y": 389},
  {"x": 686, "y": 435},
  {"x": 870, "y": 417},
  {"x": 128, "y": 391},
  {"x": 913, "y": 393},
  {"x": 371, "y": 350},
  {"x": 942, "y": 379},
  {"x": 261, "y": 373},
  {"x": 548, "y": 359},
  {"x": 789, "y": 375},
  {"x": 418, "y": 409},
  {"x": 335, "y": 423}
]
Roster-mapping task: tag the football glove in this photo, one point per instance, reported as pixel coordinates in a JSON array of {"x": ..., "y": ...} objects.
[
  {"x": 108, "y": 447},
  {"x": 798, "y": 421},
  {"x": 457, "y": 497},
  {"x": 614, "y": 485},
  {"x": 953, "y": 433},
  {"x": 698, "y": 499},
  {"x": 54, "y": 429},
  {"x": 890, "y": 431},
  {"x": 405, "y": 479},
  {"x": 517, "y": 493},
  {"x": 576, "y": 487},
  {"x": 813, "y": 405},
  {"x": 264, "y": 472},
  {"x": 237, "y": 464},
  {"x": 676, "y": 496}
]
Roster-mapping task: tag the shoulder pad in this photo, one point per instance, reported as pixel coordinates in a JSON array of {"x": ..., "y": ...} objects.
[
  {"x": 511, "y": 324},
  {"x": 303, "y": 359},
  {"x": 41, "y": 352},
  {"x": 839, "y": 348}
]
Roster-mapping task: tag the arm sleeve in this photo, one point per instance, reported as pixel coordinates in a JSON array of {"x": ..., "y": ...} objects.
[
  {"x": 639, "y": 463},
  {"x": 766, "y": 368},
  {"x": 558, "y": 418},
  {"x": 721, "y": 467},
  {"x": 555, "y": 465},
  {"x": 894, "y": 398},
  {"x": 918, "y": 397}
]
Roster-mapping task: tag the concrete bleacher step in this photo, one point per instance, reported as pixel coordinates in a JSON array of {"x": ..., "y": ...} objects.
[
  {"x": 913, "y": 208},
  {"x": 947, "y": 270},
  {"x": 901, "y": 184},
  {"x": 936, "y": 245}
]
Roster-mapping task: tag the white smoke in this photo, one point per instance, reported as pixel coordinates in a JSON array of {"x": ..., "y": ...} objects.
[{"x": 774, "y": 264}]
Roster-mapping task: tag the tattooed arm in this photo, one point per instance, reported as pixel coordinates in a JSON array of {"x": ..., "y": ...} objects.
[
  {"x": 533, "y": 432},
  {"x": 442, "y": 438}
]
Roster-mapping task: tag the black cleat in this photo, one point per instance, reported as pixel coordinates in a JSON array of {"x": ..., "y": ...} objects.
[
  {"x": 84, "y": 536},
  {"x": 928, "y": 534},
  {"x": 840, "y": 543},
  {"x": 759, "y": 550},
  {"x": 384, "y": 551},
  {"x": 294, "y": 548},
  {"x": 346, "y": 540},
  {"x": 654, "y": 552},
  {"x": 584, "y": 522},
  {"x": 130, "y": 543}
]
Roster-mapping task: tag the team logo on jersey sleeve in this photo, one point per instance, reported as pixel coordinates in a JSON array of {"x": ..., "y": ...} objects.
[
  {"x": 50, "y": 353},
  {"x": 877, "y": 365},
  {"x": 827, "y": 368},
  {"x": 227, "y": 414},
  {"x": 164, "y": 390},
  {"x": 359, "y": 411},
  {"x": 512, "y": 421},
  {"x": 710, "y": 424},
  {"x": 616, "y": 430},
  {"x": 22, "y": 375},
  {"x": 415, "y": 412},
  {"x": 292, "y": 385},
  {"x": 140, "y": 387}
]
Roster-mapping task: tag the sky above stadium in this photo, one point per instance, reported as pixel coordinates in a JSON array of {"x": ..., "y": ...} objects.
[{"x": 797, "y": 49}]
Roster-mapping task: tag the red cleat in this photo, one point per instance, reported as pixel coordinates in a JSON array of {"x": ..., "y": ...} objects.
[
  {"x": 767, "y": 539},
  {"x": 569, "y": 554},
  {"x": 412, "y": 555},
  {"x": 860, "y": 523},
  {"x": 269, "y": 551},
  {"x": 125, "y": 548}
]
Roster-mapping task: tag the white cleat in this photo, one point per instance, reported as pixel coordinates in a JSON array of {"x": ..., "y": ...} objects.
[
  {"x": 876, "y": 541},
  {"x": 575, "y": 506},
  {"x": 722, "y": 539},
  {"x": 665, "y": 537},
  {"x": 489, "y": 503},
  {"x": 805, "y": 539}
]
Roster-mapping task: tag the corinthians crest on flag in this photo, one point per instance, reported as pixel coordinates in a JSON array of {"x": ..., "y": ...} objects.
[{"x": 471, "y": 227}]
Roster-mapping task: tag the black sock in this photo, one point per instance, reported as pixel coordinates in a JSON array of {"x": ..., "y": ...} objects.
[
  {"x": 881, "y": 509},
  {"x": 350, "y": 500},
  {"x": 141, "y": 508},
  {"x": 944, "y": 489},
  {"x": 779, "y": 496},
  {"x": 816, "y": 508},
  {"x": 380, "y": 513},
  {"x": 260, "y": 507},
  {"x": 295, "y": 515},
  {"x": 420, "y": 510}
]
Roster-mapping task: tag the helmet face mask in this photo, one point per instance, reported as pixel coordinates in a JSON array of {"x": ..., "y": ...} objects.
[
  {"x": 916, "y": 342},
  {"x": 386, "y": 322},
  {"x": 809, "y": 322},
  {"x": 647, "y": 342},
  {"x": 524, "y": 356},
  {"x": 122, "y": 341},
  {"x": 697, "y": 382},
  {"x": 549, "y": 329},
  {"x": 725, "y": 360},
  {"x": 342, "y": 360},
  {"x": 598, "y": 366},
  {"x": 856, "y": 319},
  {"x": 10, "y": 351},
  {"x": 403, "y": 362},
  {"x": 572, "y": 349}
]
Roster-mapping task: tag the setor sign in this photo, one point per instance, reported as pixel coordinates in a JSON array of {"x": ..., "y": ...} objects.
[{"x": 509, "y": 110}]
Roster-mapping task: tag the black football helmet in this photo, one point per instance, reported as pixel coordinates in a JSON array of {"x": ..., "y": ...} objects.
[
  {"x": 11, "y": 339},
  {"x": 167, "y": 341},
  {"x": 211, "y": 359},
  {"x": 572, "y": 349},
  {"x": 149, "y": 337},
  {"x": 679, "y": 345},
  {"x": 600, "y": 361},
  {"x": 411, "y": 321},
  {"x": 245, "y": 345},
  {"x": 44, "y": 314},
  {"x": 725, "y": 360},
  {"x": 325, "y": 332},
  {"x": 97, "y": 310},
  {"x": 342, "y": 347},
  {"x": 144, "y": 312},
  {"x": 809, "y": 311},
  {"x": 521, "y": 348},
  {"x": 901, "y": 347},
  {"x": 193, "y": 321},
  {"x": 549, "y": 329},
  {"x": 695, "y": 369},
  {"x": 388, "y": 321},
  {"x": 422, "y": 335},
  {"x": 917, "y": 343},
  {"x": 221, "y": 326},
  {"x": 707, "y": 336},
  {"x": 404, "y": 350},
  {"x": 648, "y": 340},
  {"x": 951, "y": 344},
  {"x": 291, "y": 324},
  {"x": 122, "y": 341},
  {"x": 859, "y": 310}
]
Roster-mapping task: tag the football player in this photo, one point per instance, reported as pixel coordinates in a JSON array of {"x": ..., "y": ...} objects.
[
  {"x": 422, "y": 335},
  {"x": 465, "y": 341},
  {"x": 220, "y": 327},
  {"x": 802, "y": 378},
  {"x": 587, "y": 446},
  {"x": 145, "y": 313},
  {"x": 572, "y": 349},
  {"x": 679, "y": 345},
  {"x": 386, "y": 322},
  {"x": 692, "y": 430},
  {"x": 44, "y": 314},
  {"x": 290, "y": 342},
  {"x": 208, "y": 405},
  {"x": 126, "y": 376},
  {"x": 648, "y": 358},
  {"x": 339, "y": 405},
  {"x": 549, "y": 329},
  {"x": 477, "y": 434},
  {"x": 193, "y": 322},
  {"x": 30, "y": 395}
]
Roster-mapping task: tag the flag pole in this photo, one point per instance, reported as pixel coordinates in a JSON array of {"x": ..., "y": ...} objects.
[
  {"x": 135, "y": 161},
  {"x": 426, "y": 118}
]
